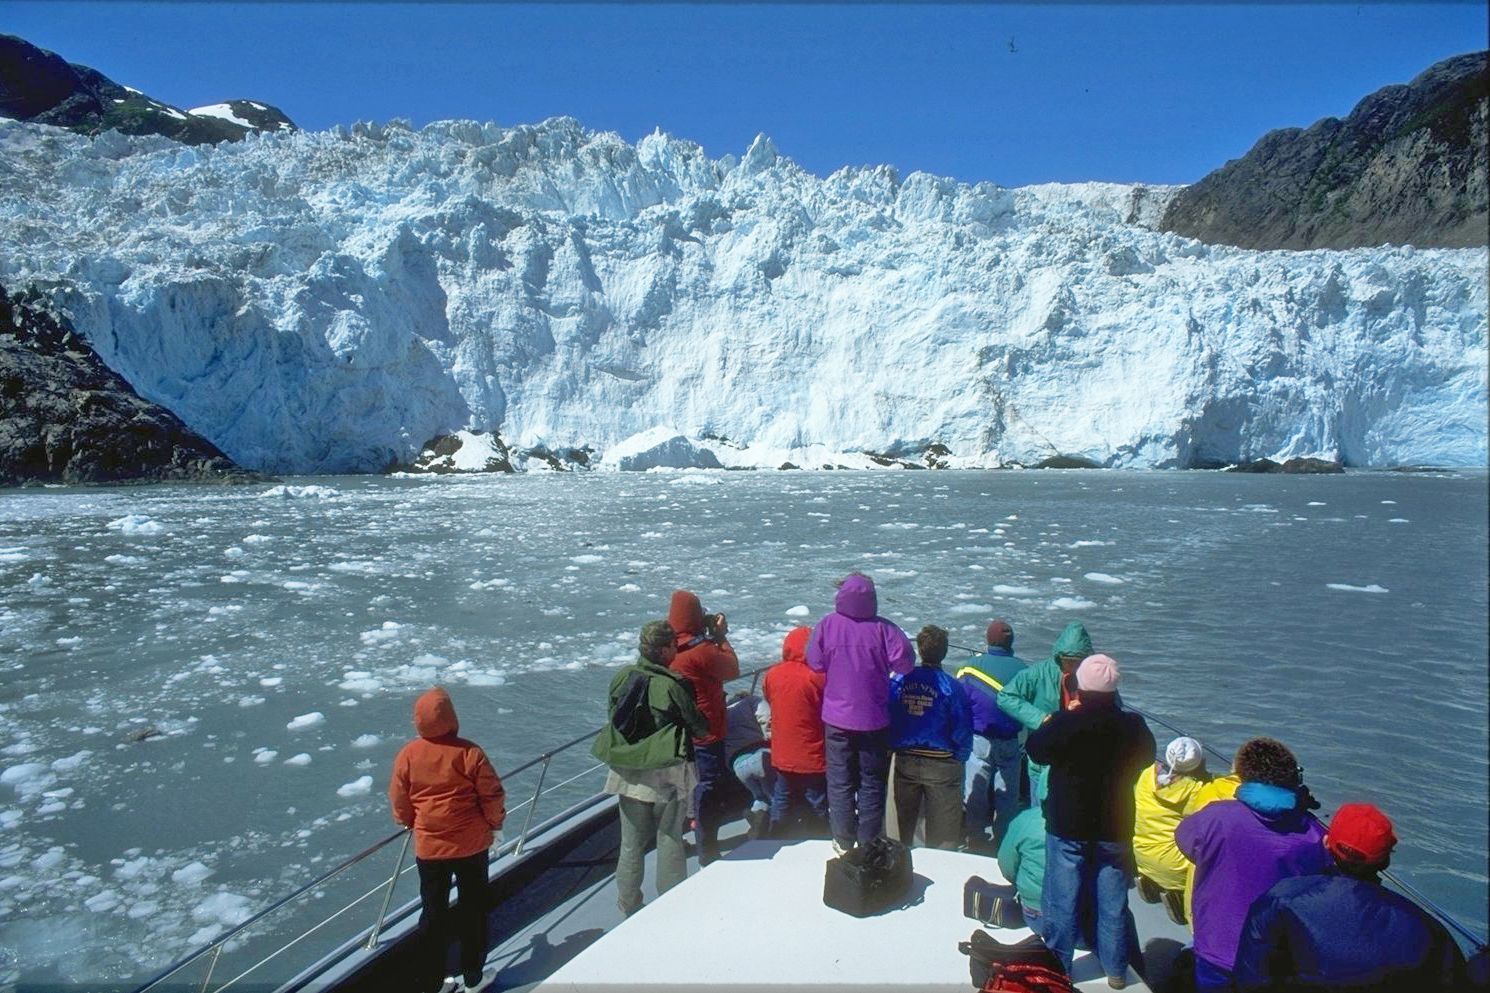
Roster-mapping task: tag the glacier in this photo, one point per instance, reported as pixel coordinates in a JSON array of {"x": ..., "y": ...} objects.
[{"x": 322, "y": 302}]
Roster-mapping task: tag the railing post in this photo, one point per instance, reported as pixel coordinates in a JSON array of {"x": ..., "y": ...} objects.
[
  {"x": 522, "y": 839},
  {"x": 207, "y": 979},
  {"x": 377, "y": 928}
]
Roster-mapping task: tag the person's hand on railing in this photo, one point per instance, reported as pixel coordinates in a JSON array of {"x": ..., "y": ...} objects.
[{"x": 496, "y": 844}]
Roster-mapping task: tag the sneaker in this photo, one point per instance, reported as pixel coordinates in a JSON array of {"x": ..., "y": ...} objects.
[
  {"x": 481, "y": 982},
  {"x": 1117, "y": 982},
  {"x": 1174, "y": 904},
  {"x": 840, "y": 849},
  {"x": 450, "y": 985},
  {"x": 1148, "y": 890}
]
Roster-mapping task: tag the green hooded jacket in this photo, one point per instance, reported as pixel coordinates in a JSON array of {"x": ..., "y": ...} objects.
[
  {"x": 1035, "y": 693},
  {"x": 1022, "y": 856},
  {"x": 677, "y": 717}
]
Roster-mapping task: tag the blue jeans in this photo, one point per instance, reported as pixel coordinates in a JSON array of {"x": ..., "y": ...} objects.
[
  {"x": 753, "y": 770},
  {"x": 1035, "y": 921},
  {"x": 992, "y": 773},
  {"x": 793, "y": 791},
  {"x": 858, "y": 768},
  {"x": 708, "y": 796},
  {"x": 1102, "y": 868}
]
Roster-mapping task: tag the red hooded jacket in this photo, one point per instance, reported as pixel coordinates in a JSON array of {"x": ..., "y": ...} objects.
[
  {"x": 444, "y": 787},
  {"x": 795, "y": 694},
  {"x": 704, "y": 664}
]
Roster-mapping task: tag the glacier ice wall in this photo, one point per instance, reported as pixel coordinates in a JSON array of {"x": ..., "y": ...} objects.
[{"x": 324, "y": 302}]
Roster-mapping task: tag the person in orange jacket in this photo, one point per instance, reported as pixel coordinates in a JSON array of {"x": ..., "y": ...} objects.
[
  {"x": 795, "y": 694},
  {"x": 445, "y": 790},
  {"x": 707, "y": 661}
]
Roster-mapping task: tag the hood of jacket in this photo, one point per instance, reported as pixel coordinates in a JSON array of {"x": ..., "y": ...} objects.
[
  {"x": 686, "y": 615},
  {"x": 856, "y": 598},
  {"x": 434, "y": 715},
  {"x": 794, "y": 646},
  {"x": 1073, "y": 641},
  {"x": 1271, "y": 803}
]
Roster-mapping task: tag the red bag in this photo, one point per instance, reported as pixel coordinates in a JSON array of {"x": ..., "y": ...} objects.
[{"x": 1024, "y": 967}]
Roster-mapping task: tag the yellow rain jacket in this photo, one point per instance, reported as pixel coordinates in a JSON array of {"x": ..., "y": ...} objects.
[{"x": 1160, "y": 810}]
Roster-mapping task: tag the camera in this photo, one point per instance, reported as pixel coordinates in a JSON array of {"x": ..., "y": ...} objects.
[{"x": 715, "y": 627}]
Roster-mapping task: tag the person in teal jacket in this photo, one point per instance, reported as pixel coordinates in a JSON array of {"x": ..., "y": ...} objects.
[
  {"x": 1022, "y": 861},
  {"x": 1042, "y": 689}
]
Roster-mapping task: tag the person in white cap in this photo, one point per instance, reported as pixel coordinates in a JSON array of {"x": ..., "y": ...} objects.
[
  {"x": 1164, "y": 795},
  {"x": 1095, "y": 752}
]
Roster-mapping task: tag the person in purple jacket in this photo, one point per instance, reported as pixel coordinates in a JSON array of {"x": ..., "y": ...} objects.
[
  {"x": 857, "y": 650},
  {"x": 1241, "y": 847}
]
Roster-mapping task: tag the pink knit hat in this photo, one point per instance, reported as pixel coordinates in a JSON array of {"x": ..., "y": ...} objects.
[{"x": 1097, "y": 674}]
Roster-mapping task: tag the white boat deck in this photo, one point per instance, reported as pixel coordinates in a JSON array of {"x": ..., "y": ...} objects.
[{"x": 755, "y": 920}]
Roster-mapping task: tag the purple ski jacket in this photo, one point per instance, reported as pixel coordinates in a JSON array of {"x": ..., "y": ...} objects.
[
  {"x": 857, "y": 651},
  {"x": 1240, "y": 849}
]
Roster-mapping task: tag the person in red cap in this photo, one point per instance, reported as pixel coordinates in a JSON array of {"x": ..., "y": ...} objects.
[
  {"x": 990, "y": 782},
  {"x": 1344, "y": 930},
  {"x": 707, "y": 661}
]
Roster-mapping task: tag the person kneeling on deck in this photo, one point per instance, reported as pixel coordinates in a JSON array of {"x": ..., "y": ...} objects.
[
  {"x": 648, "y": 744},
  {"x": 747, "y": 745},
  {"x": 1094, "y": 751},
  {"x": 1164, "y": 796},
  {"x": 795, "y": 695},
  {"x": 931, "y": 731},
  {"x": 1343, "y": 930},
  {"x": 445, "y": 789},
  {"x": 857, "y": 650},
  {"x": 992, "y": 772},
  {"x": 707, "y": 661}
]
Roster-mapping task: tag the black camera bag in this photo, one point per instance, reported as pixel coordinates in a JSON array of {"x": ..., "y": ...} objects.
[{"x": 868, "y": 878}]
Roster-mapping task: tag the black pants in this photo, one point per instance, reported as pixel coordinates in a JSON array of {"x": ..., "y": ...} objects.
[{"x": 467, "y": 922}]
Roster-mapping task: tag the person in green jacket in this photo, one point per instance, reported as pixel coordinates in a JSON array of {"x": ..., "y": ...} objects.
[
  {"x": 1022, "y": 861},
  {"x": 1042, "y": 689},
  {"x": 648, "y": 744}
]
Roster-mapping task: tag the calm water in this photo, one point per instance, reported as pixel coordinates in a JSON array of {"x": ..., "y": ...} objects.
[{"x": 270, "y": 645}]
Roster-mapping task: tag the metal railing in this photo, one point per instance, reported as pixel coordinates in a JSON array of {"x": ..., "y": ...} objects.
[
  {"x": 212, "y": 952},
  {"x": 1477, "y": 941}
]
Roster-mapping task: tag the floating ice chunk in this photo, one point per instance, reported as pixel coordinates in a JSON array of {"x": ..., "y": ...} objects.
[
  {"x": 1002, "y": 589},
  {"x": 309, "y": 720},
  {"x": 366, "y": 741},
  {"x": 136, "y": 524},
  {"x": 69, "y": 642},
  {"x": 250, "y": 701},
  {"x": 265, "y": 756},
  {"x": 227, "y": 909},
  {"x": 361, "y": 786},
  {"x": 1071, "y": 603},
  {"x": 1102, "y": 577},
  {"x": 190, "y": 874},
  {"x": 101, "y": 902},
  {"x": 71, "y": 762},
  {"x": 970, "y": 608},
  {"x": 143, "y": 910},
  {"x": 119, "y": 559},
  {"x": 271, "y": 681},
  {"x": 1088, "y": 544},
  {"x": 800, "y": 610},
  {"x": 233, "y": 552},
  {"x": 28, "y": 778},
  {"x": 1389, "y": 503},
  {"x": 485, "y": 679},
  {"x": 389, "y": 631},
  {"x": 256, "y": 539},
  {"x": 586, "y": 559},
  {"x": 1399, "y": 520},
  {"x": 299, "y": 759},
  {"x": 300, "y": 493},
  {"x": 628, "y": 588},
  {"x": 12, "y": 555},
  {"x": 1318, "y": 503},
  {"x": 10, "y": 818},
  {"x": 1346, "y": 587},
  {"x": 490, "y": 584}
]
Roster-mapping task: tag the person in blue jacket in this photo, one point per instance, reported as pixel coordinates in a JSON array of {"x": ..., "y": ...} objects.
[
  {"x": 992, "y": 772},
  {"x": 931, "y": 733},
  {"x": 1344, "y": 930}
]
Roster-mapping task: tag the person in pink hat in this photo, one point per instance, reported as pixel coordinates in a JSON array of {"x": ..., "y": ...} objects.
[{"x": 1095, "y": 751}]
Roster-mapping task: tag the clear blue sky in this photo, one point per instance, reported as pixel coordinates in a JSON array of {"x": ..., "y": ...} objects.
[{"x": 1010, "y": 93}]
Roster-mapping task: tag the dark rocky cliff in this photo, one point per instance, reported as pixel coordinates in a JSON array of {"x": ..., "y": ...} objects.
[
  {"x": 65, "y": 417},
  {"x": 1408, "y": 166},
  {"x": 43, "y": 88}
]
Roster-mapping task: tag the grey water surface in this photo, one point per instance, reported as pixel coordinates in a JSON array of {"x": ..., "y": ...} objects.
[{"x": 203, "y": 688}]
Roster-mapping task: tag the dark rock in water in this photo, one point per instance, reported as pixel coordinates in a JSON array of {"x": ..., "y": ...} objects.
[
  {"x": 65, "y": 417},
  {"x": 41, "y": 87},
  {"x": 143, "y": 734},
  {"x": 1067, "y": 462},
  {"x": 787, "y": 465},
  {"x": 1417, "y": 468},
  {"x": 1312, "y": 467},
  {"x": 440, "y": 455},
  {"x": 562, "y": 459},
  {"x": 1259, "y": 465},
  {"x": 937, "y": 456},
  {"x": 1408, "y": 166}
]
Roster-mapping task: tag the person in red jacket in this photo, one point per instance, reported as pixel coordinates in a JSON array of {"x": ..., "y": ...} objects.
[
  {"x": 445, "y": 789},
  {"x": 795, "y": 694},
  {"x": 707, "y": 661}
]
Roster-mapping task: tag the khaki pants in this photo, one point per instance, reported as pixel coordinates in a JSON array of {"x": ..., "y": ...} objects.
[
  {"x": 936, "y": 781},
  {"x": 641, "y": 823}
]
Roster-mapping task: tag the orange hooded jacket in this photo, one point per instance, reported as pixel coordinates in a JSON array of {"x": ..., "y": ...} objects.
[
  {"x": 705, "y": 664},
  {"x": 444, "y": 787},
  {"x": 795, "y": 694}
]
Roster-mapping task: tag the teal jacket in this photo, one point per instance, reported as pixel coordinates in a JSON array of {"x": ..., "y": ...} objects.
[
  {"x": 1035, "y": 694},
  {"x": 674, "y": 711},
  {"x": 1022, "y": 856}
]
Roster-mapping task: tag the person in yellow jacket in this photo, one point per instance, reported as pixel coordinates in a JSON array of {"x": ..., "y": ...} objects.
[{"x": 1163, "y": 795}]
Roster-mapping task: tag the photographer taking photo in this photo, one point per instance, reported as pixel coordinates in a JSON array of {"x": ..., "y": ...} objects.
[{"x": 707, "y": 661}]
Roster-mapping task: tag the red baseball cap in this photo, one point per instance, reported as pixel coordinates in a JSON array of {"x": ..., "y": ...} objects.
[
  {"x": 1361, "y": 834},
  {"x": 1000, "y": 634}
]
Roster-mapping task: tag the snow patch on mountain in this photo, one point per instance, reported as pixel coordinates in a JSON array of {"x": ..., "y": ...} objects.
[{"x": 333, "y": 301}]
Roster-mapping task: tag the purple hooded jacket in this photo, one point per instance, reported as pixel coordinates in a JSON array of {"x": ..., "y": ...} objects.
[
  {"x": 1240, "y": 849},
  {"x": 858, "y": 650}
]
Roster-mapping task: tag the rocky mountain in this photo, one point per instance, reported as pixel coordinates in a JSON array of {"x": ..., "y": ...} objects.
[
  {"x": 65, "y": 417},
  {"x": 1408, "y": 166},
  {"x": 40, "y": 86}
]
